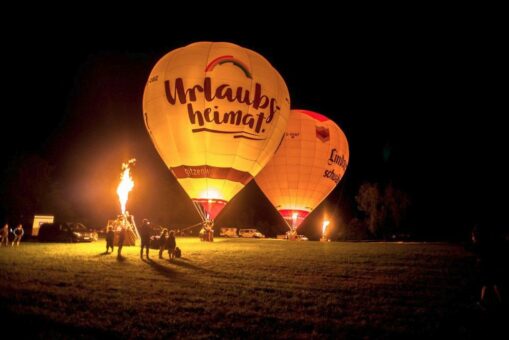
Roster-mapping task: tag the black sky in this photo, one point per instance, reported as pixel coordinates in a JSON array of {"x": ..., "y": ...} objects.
[{"x": 414, "y": 96}]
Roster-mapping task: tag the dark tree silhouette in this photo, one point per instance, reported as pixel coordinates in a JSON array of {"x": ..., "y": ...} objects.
[
  {"x": 396, "y": 204},
  {"x": 385, "y": 210},
  {"x": 369, "y": 200}
]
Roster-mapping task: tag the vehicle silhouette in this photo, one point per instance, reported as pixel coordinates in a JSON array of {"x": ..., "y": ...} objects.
[{"x": 66, "y": 232}]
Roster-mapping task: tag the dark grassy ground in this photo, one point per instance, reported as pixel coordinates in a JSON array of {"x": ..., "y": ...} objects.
[{"x": 245, "y": 289}]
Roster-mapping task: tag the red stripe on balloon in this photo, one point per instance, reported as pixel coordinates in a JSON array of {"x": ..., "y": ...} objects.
[
  {"x": 300, "y": 216},
  {"x": 214, "y": 172},
  {"x": 211, "y": 206},
  {"x": 315, "y": 115}
]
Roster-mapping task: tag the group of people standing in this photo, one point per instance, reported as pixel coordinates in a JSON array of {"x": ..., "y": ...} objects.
[
  {"x": 18, "y": 234},
  {"x": 166, "y": 240}
]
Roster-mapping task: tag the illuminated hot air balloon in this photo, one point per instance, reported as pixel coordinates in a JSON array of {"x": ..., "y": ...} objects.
[
  {"x": 309, "y": 164},
  {"x": 216, "y": 113}
]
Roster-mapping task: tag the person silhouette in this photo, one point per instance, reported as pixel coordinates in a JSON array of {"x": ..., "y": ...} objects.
[
  {"x": 110, "y": 235},
  {"x": 18, "y": 234},
  {"x": 5, "y": 235},
  {"x": 145, "y": 233},
  {"x": 121, "y": 238},
  {"x": 163, "y": 242},
  {"x": 488, "y": 248},
  {"x": 172, "y": 244}
]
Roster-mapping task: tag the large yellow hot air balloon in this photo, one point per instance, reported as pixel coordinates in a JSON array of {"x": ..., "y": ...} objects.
[
  {"x": 310, "y": 162},
  {"x": 216, "y": 113}
]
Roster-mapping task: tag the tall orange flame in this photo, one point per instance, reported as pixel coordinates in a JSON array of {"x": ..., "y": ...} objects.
[
  {"x": 126, "y": 184},
  {"x": 324, "y": 226}
]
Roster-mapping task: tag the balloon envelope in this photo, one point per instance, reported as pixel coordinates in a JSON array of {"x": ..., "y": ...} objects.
[
  {"x": 310, "y": 162},
  {"x": 216, "y": 113}
]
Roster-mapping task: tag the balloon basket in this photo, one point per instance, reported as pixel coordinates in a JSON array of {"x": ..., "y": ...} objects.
[{"x": 207, "y": 235}]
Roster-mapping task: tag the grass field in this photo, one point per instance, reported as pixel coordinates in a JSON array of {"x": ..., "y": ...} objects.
[{"x": 235, "y": 288}]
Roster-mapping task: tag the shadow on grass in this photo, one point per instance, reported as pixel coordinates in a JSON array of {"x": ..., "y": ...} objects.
[
  {"x": 475, "y": 322},
  {"x": 31, "y": 326},
  {"x": 166, "y": 271},
  {"x": 185, "y": 263},
  {"x": 121, "y": 258},
  {"x": 102, "y": 254}
]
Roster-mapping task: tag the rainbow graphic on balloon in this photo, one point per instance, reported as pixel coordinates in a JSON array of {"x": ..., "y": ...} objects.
[{"x": 228, "y": 59}]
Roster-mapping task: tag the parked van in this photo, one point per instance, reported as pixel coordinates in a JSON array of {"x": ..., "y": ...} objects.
[
  {"x": 228, "y": 232},
  {"x": 253, "y": 233}
]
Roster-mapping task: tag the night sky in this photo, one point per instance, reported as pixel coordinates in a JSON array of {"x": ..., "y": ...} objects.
[{"x": 414, "y": 97}]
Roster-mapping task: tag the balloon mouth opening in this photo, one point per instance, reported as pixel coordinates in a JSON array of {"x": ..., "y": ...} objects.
[
  {"x": 294, "y": 217},
  {"x": 209, "y": 208}
]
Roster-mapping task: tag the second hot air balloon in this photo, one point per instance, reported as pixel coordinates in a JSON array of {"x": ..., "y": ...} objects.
[
  {"x": 308, "y": 165},
  {"x": 216, "y": 113}
]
